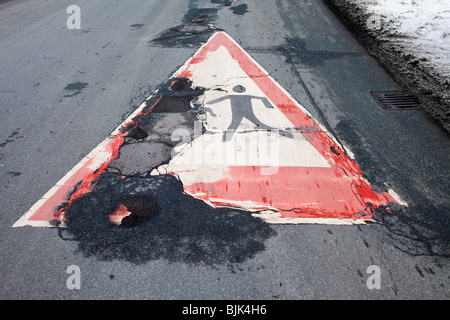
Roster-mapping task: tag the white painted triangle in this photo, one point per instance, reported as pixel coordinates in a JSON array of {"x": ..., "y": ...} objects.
[{"x": 270, "y": 142}]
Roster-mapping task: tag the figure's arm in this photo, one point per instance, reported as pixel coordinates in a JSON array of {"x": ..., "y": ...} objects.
[
  {"x": 266, "y": 102},
  {"x": 217, "y": 100}
]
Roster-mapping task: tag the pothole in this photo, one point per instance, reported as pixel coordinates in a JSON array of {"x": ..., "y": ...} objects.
[{"x": 134, "y": 211}]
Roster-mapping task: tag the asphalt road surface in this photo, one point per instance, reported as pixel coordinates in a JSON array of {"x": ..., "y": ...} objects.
[{"x": 63, "y": 91}]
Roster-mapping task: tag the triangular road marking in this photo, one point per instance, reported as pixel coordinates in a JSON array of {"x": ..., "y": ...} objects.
[
  {"x": 261, "y": 151},
  {"x": 312, "y": 179}
]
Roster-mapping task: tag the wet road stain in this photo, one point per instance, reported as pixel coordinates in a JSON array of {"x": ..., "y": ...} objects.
[
  {"x": 240, "y": 9},
  {"x": 137, "y": 26},
  {"x": 14, "y": 173},
  {"x": 296, "y": 52},
  {"x": 15, "y": 135},
  {"x": 197, "y": 25},
  {"x": 196, "y": 29},
  {"x": 225, "y": 3},
  {"x": 75, "y": 88}
]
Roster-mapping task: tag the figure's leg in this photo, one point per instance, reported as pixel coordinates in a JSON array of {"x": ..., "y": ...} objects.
[
  {"x": 232, "y": 128},
  {"x": 251, "y": 117}
]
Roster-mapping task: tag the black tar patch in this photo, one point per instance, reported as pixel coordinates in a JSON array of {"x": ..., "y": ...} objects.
[{"x": 178, "y": 227}]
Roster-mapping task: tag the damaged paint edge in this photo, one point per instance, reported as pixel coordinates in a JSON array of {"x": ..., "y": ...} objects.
[
  {"x": 24, "y": 220},
  {"x": 397, "y": 198},
  {"x": 275, "y": 218}
]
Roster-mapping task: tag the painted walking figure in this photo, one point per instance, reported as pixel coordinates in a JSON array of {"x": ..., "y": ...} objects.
[{"x": 241, "y": 107}]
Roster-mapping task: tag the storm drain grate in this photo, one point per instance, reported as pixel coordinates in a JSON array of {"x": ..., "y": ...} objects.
[{"x": 397, "y": 100}]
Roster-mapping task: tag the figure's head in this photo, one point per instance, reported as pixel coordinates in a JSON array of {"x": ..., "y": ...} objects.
[{"x": 239, "y": 88}]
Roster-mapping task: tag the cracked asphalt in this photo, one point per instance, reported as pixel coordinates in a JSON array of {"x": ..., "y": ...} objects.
[{"x": 63, "y": 91}]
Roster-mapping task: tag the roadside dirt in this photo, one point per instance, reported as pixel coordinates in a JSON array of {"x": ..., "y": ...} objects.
[{"x": 410, "y": 71}]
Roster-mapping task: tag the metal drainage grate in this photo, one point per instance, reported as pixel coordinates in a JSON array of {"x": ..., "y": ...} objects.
[{"x": 396, "y": 100}]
